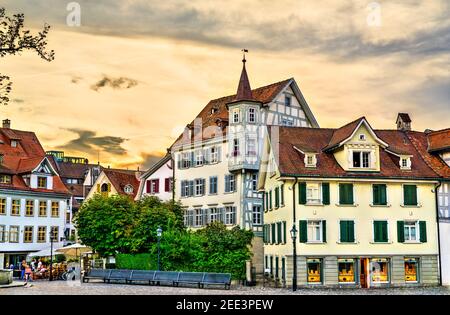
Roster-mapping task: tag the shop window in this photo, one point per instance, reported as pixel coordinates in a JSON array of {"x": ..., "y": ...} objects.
[
  {"x": 346, "y": 269},
  {"x": 314, "y": 267},
  {"x": 380, "y": 270},
  {"x": 411, "y": 270}
]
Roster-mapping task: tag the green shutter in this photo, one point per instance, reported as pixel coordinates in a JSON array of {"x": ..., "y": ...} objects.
[
  {"x": 376, "y": 194},
  {"x": 346, "y": 194},
  {"x": 303, "y": 224},
  {"x": 401, "y": 231},
  {"x": 284, "y": 232},
  {"x": 273, "y": 234},
  {"x": 264, "y": 233},
  {"x": 324, "y": 231},
  {"x": 344, "y": 231},
  {"x": 277, "y": 197},
  {"x": 380, "y": 231},
  {"x": 383, "y": 199},
  {"x": 326, "y": 193},
  {"x": 302, "y": 193},
  {"x": 282, "y": 194},
  {"x": 279, "y": 233},
  {"x": 423, "y": 231},
  {"x": 270, "y": 200},
  {"x": 410, "y": 195},
  {"x": 379, "y": 194},
  {"x": 351, "y": 231}
]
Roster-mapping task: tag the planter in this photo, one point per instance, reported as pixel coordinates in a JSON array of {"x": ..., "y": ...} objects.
[{"x": 6, "y": 276}]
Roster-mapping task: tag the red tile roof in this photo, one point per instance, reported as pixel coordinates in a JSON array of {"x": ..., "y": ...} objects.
[
  {"x": 439, "y": 140},
  {"x": 121, "y": 178},
  {"x": 343, "y": 133}
]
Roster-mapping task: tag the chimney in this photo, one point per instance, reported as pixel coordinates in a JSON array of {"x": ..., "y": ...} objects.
[
  {"x": 7, "y": 123},
  {"x": 403, "y": 122}
]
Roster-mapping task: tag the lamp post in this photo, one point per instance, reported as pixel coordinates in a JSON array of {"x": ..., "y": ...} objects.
[
  {"x": 158, "y": 234},
  {"x": 294, "y": 252},
  {"x": 50, "y": 278}
]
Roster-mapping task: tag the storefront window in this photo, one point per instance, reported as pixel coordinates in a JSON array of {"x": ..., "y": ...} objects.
[
  {"x": 380, "y": 270},
  {"x": 346, "y": 269},
  {"x": 314, "y": 267},
  {"x": 411, "y": 269}
]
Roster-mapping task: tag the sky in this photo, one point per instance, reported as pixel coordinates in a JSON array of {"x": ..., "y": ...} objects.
[{"x": 133, "y": 73}]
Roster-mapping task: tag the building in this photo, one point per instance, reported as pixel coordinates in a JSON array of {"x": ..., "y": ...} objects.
[
  {"x": 33, "y": 198},
  {"x": 77, "y": 175},
  {"x": 217, "y": 157},
  {"x": 158, "y": 180},
  {"x": 116, "y": 182},
  {"x": 360, "y": 201}
]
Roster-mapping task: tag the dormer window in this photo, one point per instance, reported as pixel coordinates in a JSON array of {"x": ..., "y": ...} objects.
[
  {"x": 42, "y": 182},
  {"x": 361, "y": 159},
  {"x": 310, "y": 160},
  {"x": 14, "y": 143},
  {"x": 236, "y": 117},
  {"x": 128, "y": 189},
  {"x": 5, "y": 179},
  {"x": 362, "y": 137},
  {"x": 405, "y": 163},
  {"x": 214, "y": 110}
]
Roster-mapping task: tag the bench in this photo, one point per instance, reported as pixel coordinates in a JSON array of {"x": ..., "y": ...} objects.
[
  {"x": 142, "y": 275},
  {"x": 217, "y": 279},
  {"x": 119, "y": 275},
  {"x": 101, "y": 274},
  {"x": 166, "y": 276},
  {"x": 191, "y": 278}
]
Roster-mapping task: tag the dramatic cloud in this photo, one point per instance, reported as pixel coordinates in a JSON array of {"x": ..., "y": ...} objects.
[
  {"x": 87, "y": 141},
  {"x": 117, "y": 84}
]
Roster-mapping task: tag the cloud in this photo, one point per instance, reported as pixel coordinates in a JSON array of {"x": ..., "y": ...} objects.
[
  {"x": 147, "y": 160},
  {"x": 87, "y": 141},
  {"x": 117, "y": 84}
]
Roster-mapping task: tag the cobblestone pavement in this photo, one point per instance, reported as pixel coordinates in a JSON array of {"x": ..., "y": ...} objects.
[{"x": 75, "y": 287}]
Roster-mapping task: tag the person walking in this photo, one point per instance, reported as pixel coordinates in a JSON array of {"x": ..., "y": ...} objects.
[
  {"x": 28, "y": 272},
  {"x": 22, "y": 269}
]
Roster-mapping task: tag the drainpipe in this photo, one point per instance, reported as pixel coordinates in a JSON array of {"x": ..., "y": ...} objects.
[
  {"x": 438, "y": 230},
  {"x": 294, "y": 248}
]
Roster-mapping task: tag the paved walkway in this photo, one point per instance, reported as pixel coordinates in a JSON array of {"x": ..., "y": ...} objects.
[{"x": 75, "y": 287}]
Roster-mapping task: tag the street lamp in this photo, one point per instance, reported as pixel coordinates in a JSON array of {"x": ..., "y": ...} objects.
[
  {"x": 158, "y": 234},
  {"x": 294, "y": 242},
  {"x": 50, "y": 278}
]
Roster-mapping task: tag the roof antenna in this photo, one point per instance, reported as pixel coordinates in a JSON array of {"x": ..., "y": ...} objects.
[
  {"x": 98, "y": 157},
  {"x": 243, "y": 53}
]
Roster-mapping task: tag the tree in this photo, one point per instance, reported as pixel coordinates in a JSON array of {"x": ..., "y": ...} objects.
[{"x": 14, "y": 40}]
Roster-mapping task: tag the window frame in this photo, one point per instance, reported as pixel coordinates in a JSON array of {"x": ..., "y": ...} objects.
[
  {"x": 3, "y": 233},
  {"x": 16, "y": 233},
  {"x": 13, "y": 206},
  {"x": 216, "y": 185},
  {"x": 28, "y": 233},
  {"x": 318, "y": 201},
  {"x": 53, "y": 208},
  {"x": 251, "y": 111},
  {"x": 40, "y": 207},
  {"x": 3, "y": 206},
  {"x": 230, "y": 216},
  {"x": 39, "y": 183},
  {"x": 416, "y": 226},
  {"x": 308, "y": 224},
  {"x": 27, "y": 207},
  {"x": 386, "y": 193}
]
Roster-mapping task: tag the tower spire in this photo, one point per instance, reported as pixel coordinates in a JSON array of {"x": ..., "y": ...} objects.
[{"x": 244, "y": 91}]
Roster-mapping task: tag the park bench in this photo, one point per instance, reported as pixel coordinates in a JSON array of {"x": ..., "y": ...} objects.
[
  {"x": 166, "y": 277},
  {"x": 101, "y": 274},
  {"x": 217, "y": 279},
  {"x": 119, "y": 275},
  {"x": 142, "y": 276},
  {"x": 191, "y": 278}
]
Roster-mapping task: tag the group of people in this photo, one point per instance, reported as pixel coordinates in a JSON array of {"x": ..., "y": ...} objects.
[{"x": 26, "y": 270}]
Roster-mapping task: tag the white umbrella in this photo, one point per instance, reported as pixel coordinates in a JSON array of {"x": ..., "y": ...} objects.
[
  {"x": 42, "y": 253},
  {"x": 74, "y": 249}
]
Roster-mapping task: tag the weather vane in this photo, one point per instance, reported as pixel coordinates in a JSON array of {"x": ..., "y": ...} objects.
[{"x": 244, "y": 51}]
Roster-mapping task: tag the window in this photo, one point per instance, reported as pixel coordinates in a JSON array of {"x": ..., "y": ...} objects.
[
  {"x": 42, "y": 234},
  {"x": 42, "y": 208},
  {"x": 14, "y": 234},
  {"x": 55, "y": 233},
  {"x": 314, "y": 269},
  {"x": 199, "y": 187},
  {"x": 346, "y": 270},
  {"x": 186, "y": 190},
  {"x": 42, "y": 182},
  {"x": 380, "y": 232},
  {"x": 313, "y": 193},
  {"x": 199, "y": 158},
  {"x": 347, "y": 231},
  {"x": 309, "y": 159},
  {"x": 185, "y": 160},
  {"x": 346, "y": 194},
  {"x": 314, "y": 231},
  {"x": 380, "y": 270},
  {"x": 379, "y": 195},
  {"x": 213, "y": 185},
  {"x": 251, "y": 115},
  {"x": 230, "y": 215},
  {"x": 214, "y": 155},
  {"x": 2, "y": 205},
  {"x": 361, "y": 159},
  {"x": 28, "y": 234},
  {"x": 410, "y": 230},
  {"x": 198, "y": 220},
  {"x": 235, "y": 150},
  {"x": 15, "y": 207},
  {"x": 152, "y": 186},
  {"x": 72, "y": 181},
  {"x": 254, "y": 180},
  {"x": 214, "y": 215},
  {"x": 55, "y": 209},
  {"x": 404, "y": 162},
  {"x": 236, "y": 117},
  {"x": 14, "y": 143},
  {"x": 362, "y": 137},
  {"x": 230, "y": 183},
  {"x": 409, "y": 195},
  {"x": 251, "y": 147},
  {"x": 287, "y": 122},
  {"x": 257, "y": 215},
  {"x": 188, "y": 218},
  {"x": 29, "y": 208},
  {"x": 287, "y": 100},
  {"x": 5, "y": 179},
  {"x": 168, "y": 184},
  {"x": 412, "y": 270},
  {"x": 128, "y": 189},
  {"x": 2, "y": 233},
  {"x": 67, "y": 217}
]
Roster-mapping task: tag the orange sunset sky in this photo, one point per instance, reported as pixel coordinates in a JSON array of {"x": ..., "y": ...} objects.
[{"x": 134, "y": 73}]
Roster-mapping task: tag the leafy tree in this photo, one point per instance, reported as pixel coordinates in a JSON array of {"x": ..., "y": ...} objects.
[{"x": 14, "y": 40}]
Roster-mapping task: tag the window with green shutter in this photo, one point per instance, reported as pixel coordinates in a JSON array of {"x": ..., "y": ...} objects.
[
  {"x": 303, "y": 224},
  {"x": 379, "y": 195},
  {"x": 302, "y": 193},
  {"x": 279, "y": 233},
  {"x": 284, "y": 232},
  {"x": 401, "y": 231},
  {"x": 380, "y": 230},
  {"x": 423, "y": 231},
  {"x": 274, "y": 235},
  {"x": 410, "y": 195},
  {"x": 277, "y": 197},
  {"x": 282, "y": 194},
  {"x": 326, "y": 193},
  {"x": 347, "y": 231},
  {"x": 346, "y": 194},
  {"x": 270, "y": 200}
]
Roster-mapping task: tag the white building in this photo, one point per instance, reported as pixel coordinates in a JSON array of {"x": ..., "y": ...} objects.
[
  {"x": 33, "y": 199},
  {"x": 157, "y": 181},
  {"x": 217, "y": 157}
]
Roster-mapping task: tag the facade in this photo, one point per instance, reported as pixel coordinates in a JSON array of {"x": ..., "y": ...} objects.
[
  {"x": 33, "y": 199},
  {"x": 361, "y": 202},
  {"x": 157, "y": 181},
  {"x": 116, "y": 182},
  {"x": 217, "y": 157}
]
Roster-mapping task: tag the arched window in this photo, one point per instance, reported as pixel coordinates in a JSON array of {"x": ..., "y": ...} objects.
[{"x": 104, "y": 188}]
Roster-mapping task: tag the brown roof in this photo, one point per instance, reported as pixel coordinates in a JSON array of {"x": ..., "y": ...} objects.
[
  {"x": 405, "y": 117},
  {"x": 343, "y": 133},
  {"x": 439, "y": 140},
  {"x": 244, "y": 91},
  {"x": 264, "y": 94},
  {"x": 291, "y": 162},
  {"x": 121, "y": 178}
]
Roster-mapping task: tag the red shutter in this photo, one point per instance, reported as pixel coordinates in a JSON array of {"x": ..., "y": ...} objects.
[
  {"x": 149, "y": 187},
  {"x": 167, "y": 185},
  {"x": 156, "y": 186}
]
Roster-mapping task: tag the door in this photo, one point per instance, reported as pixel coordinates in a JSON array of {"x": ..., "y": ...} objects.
[{"x": 363, "y": 273}]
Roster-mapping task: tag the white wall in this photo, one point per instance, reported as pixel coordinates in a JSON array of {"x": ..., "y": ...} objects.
[
  {"x": 162, "y": 173},
  {"x": 445, "y": 251}
]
